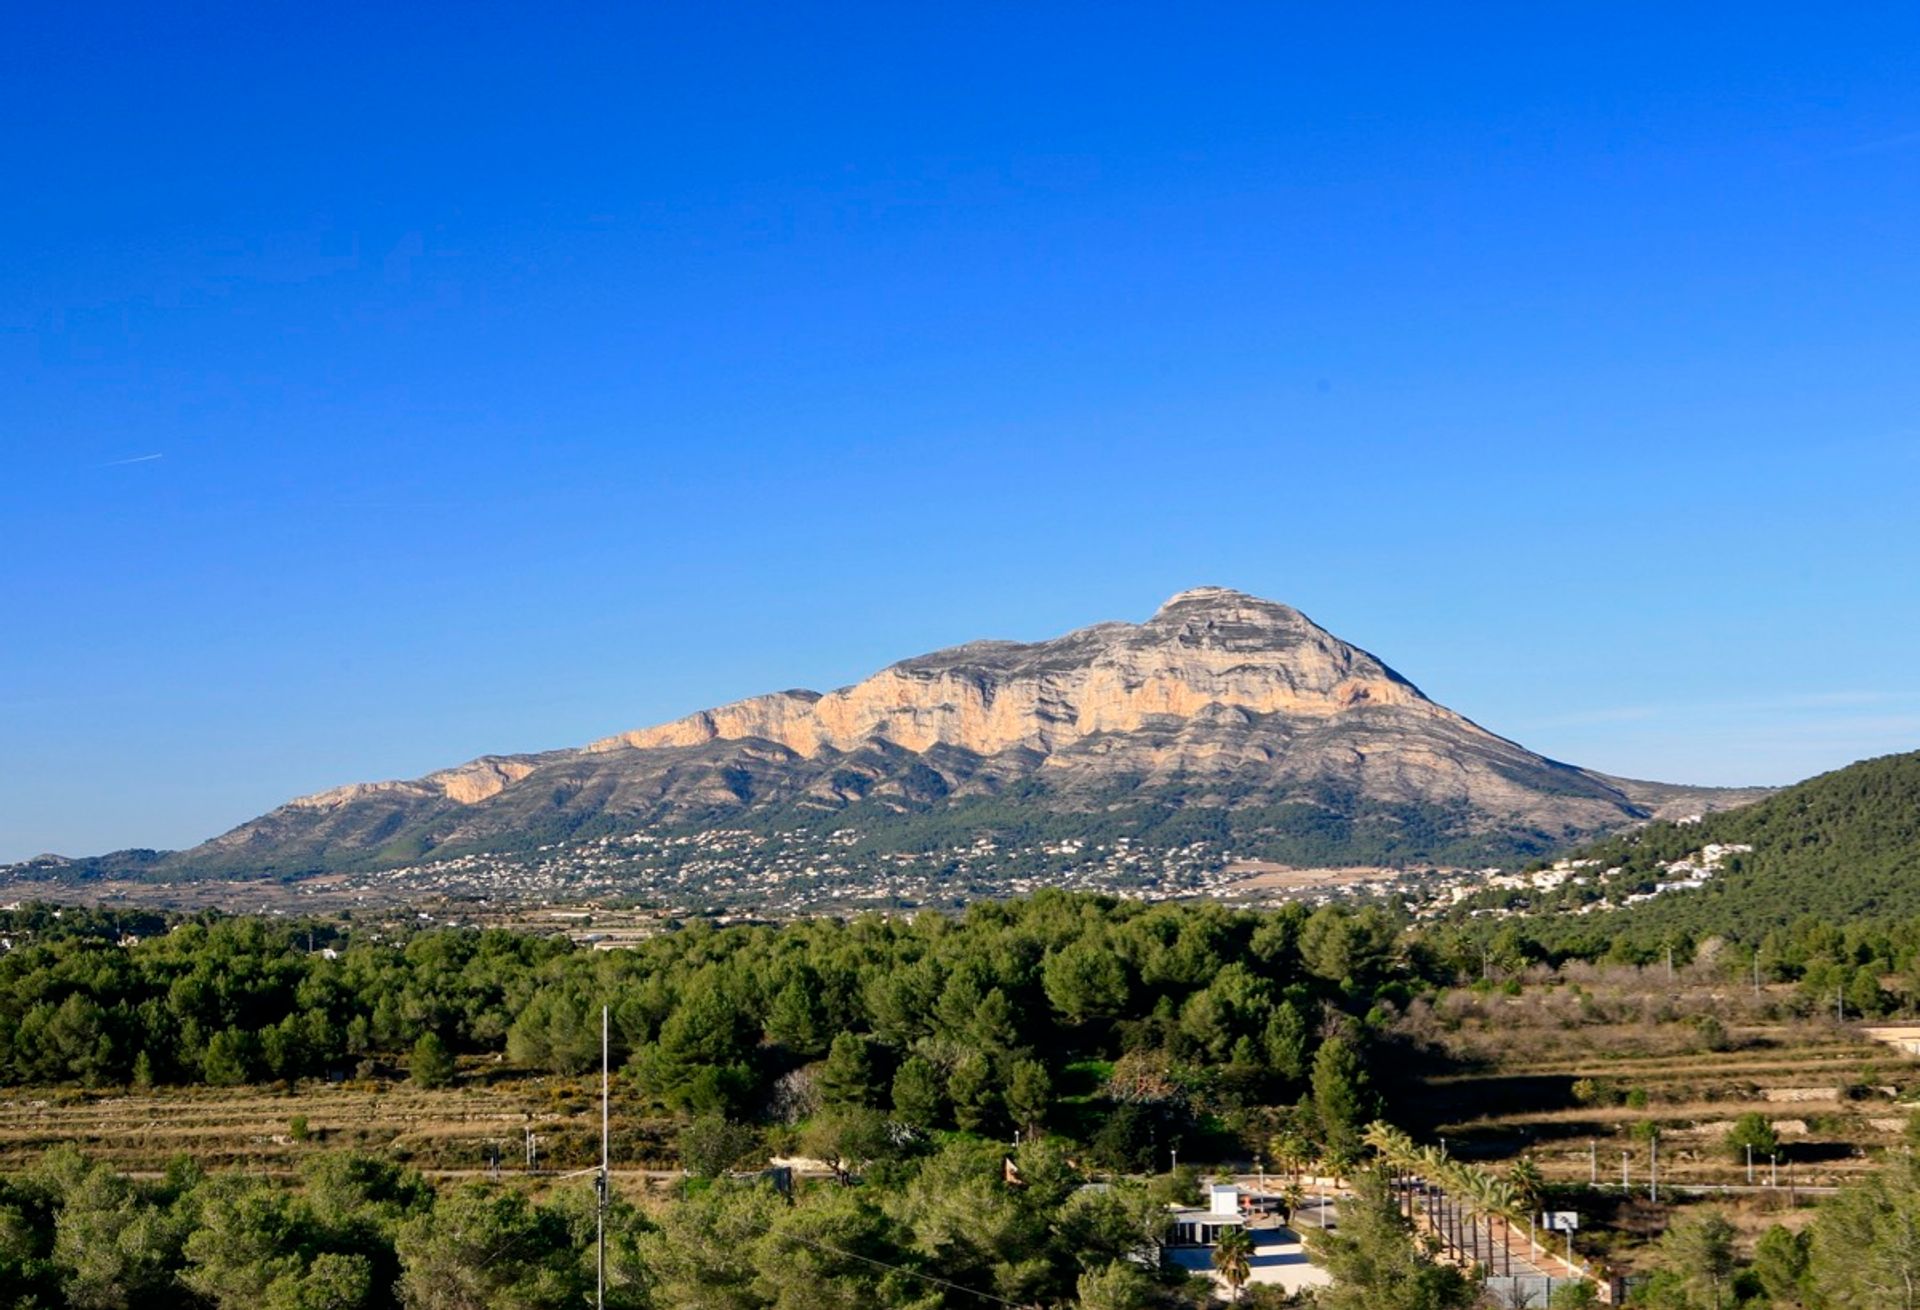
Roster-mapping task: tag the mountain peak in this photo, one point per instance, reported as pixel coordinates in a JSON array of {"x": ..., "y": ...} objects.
[
  {"x": 1216, "y": 598},
  {"x": 1205, "y": 593},
  {"x": 1225, "y": 607},
  {"x": 1221, "y": 701}
]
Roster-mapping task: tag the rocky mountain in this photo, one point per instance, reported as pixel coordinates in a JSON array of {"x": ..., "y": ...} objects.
[{"x": 1223, "y": 717}]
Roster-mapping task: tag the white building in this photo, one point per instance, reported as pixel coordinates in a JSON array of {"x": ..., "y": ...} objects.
[{"x": 1197, "y": 1227}]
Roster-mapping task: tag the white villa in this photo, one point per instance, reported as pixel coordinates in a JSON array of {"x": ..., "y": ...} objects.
[{"x": 1201, "y": 1227}]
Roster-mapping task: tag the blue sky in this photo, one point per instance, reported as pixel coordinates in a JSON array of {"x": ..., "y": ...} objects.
[{"x": 382, "y": 387}]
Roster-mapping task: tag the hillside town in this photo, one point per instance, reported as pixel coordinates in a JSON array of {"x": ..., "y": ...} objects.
[
  {"x": 1568, "y": 885},
  {"x": 794, "y": 872}
]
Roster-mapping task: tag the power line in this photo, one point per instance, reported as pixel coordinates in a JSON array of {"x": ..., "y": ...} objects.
[{"x": 902, "y": 1269}]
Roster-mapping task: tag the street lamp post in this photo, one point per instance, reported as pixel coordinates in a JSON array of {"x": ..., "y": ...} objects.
[{"x": 606, "y": 1180}]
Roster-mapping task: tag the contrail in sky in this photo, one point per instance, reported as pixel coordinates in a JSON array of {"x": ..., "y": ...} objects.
[
  {"x": 1900, "y": 142},
  {"x": 137, "y": 459}
]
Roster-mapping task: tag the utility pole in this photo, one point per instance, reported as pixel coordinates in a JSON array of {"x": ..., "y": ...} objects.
[
  {"x": 1773, "y": 1170},
  {"x": 1624, "y": 1157},
  {"x": 1749, "y": 1164},
  {"x": 600, "y": 1214},
  {"x": 1593, "y": 1163}
]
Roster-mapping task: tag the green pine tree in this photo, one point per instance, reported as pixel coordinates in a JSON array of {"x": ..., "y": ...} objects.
[
  {"x": 847, "y": 1078},
  {"x": 432, "y": 1063},
  {"x": 919, "y": 1095}
]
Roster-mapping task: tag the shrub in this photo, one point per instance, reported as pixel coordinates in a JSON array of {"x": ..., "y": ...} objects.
[
  {"x": 1712, "y": 1033},
  {"x": 1752, "y": 1130},
  {"x": 1595, "y": 1091},
  {"x": 711, "y": 1145}
]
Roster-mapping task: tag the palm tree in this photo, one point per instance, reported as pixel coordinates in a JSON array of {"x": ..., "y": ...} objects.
[
  {"x": 1530, "y": 1190},
  {"x": 1394, "y": 1148},
  {"x": 1232, "y": 1256},
  {"x": 1434, "y": 1165},
  {"x": 1528, "y": 1183},
  {"x": 1293, "y": 1198},
  {"x": 1473, "y": 1194},
  {"x": 1491, "y": 1198},
  {"x": 1393, "y": 1145},
  {"x": 1290, "y": 1151}
]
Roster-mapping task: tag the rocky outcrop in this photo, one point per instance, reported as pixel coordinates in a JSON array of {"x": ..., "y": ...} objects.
[
  {"x": 466, "y": 784},
  {"x": 1206, "y": 651},
  {"x": 1219, "y": 700}
]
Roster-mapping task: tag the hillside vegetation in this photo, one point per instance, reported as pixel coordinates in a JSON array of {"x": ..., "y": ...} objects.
[
  {"x": 1840, "y": 848},
  {"x": 1133, "y": 1029},
  {"x": 329, "y": 1060}
]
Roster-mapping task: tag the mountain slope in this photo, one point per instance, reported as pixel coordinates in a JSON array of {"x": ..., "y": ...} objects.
[
  {"x": 1222, "y": 715},
  {"x": 1839, "y": 847}
]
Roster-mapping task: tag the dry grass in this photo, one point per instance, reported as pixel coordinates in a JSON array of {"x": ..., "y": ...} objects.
[
  {"x": 454, "y": 1131},
  {"x": 1547, "y": 1072}
]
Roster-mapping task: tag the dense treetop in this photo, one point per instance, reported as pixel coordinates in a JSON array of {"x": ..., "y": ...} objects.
[
  {"x": 1130, "y": 1026},
  {"x": 1842, "y": 849}
]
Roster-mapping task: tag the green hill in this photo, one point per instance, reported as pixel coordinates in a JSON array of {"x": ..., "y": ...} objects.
[{"x": 1840, "y": 847}]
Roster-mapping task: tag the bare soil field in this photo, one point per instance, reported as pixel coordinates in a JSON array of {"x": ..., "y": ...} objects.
[
  {"x": 1580, "y": 1068},
  {"x": 456, "y": 1130},
  {"x": 1261, "y": 876}
]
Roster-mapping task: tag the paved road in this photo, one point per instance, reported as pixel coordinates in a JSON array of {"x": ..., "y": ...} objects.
[{"x": 1317, "y": 1211}]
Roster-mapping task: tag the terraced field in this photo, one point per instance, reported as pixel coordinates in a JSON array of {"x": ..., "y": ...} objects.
[
  {"x": 451, "y": 1131},
  {"x": 1578, "y": 1069}
]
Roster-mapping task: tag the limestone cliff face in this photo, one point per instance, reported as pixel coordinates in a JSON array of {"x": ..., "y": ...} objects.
[
  {"x": 1206, "y": 650},
  {"x": 467, "y": 784},
  {"x": 1220, "y": 702}
]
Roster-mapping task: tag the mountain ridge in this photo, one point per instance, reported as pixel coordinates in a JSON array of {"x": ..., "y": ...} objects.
[{"x": 1221, "y": 702}]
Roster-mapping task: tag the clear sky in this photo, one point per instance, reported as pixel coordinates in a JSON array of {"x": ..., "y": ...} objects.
[{"x": 382, "y": 386}]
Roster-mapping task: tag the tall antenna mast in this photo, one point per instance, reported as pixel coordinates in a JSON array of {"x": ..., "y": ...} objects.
[{"x": 606, "y": 1182}]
